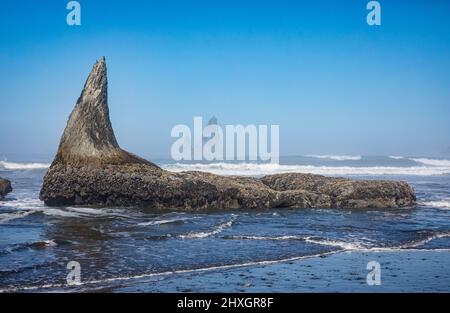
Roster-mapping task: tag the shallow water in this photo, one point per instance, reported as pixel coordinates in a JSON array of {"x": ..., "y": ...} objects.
[{"x": 114, "y": 244}]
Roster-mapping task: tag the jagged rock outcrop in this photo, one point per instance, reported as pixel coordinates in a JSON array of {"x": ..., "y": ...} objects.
[
  {"x": 346, "y": 193},
  {"x": 5, "y": 187},
  {"x": 91, "y": 169}
]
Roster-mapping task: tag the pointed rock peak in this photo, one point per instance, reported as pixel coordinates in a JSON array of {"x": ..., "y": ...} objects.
[
  {"x": 89, "y": 137},
  {"x": 97, "y": 79}
]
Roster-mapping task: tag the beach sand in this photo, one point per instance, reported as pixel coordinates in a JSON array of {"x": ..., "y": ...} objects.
[{"x": 401, "y": 271}]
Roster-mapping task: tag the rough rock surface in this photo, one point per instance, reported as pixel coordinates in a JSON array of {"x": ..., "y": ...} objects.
[
  {"x": 5, "y": 187},
  {"x": 346, "y": 193},
  {"x": 91, "y": 169}
]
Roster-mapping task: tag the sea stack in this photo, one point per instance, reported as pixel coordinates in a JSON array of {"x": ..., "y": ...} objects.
[
  {"x": 90, "y": 168},
  {"x": 5, "y": 188},
  {"x": 89, "y": 137}
]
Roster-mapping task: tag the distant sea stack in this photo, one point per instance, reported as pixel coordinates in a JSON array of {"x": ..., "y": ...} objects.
[
  {"x": 91, "y": 169},
  {"x": 5, "y": 187}
]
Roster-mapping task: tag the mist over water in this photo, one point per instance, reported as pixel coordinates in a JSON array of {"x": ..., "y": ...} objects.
[
  {"x": 324, "y": 165},
  {"x": 119, "y": 244}
]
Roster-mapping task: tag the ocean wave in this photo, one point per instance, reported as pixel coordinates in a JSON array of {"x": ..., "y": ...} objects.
[
  {"x": 427, "y": 239},
  {"x": 60, "y": 213},
  {"x": 103, "y": 212},
  {"x": 396, "y": 157},
  {"x": 440, "y": 204},
  {"x": 6, "y": 217},
  {"x": 336, "y": 157},
  {"x": 363, "y": 244},
  {"x": 79, "y": 212},
  {"x": 162, "y": 222},
  {"x": 214, "y": 231},
  {"x": 25, "y": 203},
  {"x": 433, "y": 162},
  {"x": 23, "y": 166},
  {"x": 285, "y": 237},
  {"x": 345, "y": 247},
  {"x": 308, "y": 239},
  {"x": 255, "y": 169},
  {"x": 27, "y": 206},
  {"x": 350, "y": 246}
]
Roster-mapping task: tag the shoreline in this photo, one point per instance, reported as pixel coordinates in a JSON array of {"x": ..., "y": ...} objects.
[
  {"x": 345, "y": 271},
  {"x": 402, "y": 270}
]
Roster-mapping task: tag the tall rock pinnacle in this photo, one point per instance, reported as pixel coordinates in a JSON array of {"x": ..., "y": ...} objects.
[{"x": 89, "y": 137}]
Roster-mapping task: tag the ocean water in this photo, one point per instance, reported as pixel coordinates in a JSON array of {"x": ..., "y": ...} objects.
[{"x": 116, "y": 247}]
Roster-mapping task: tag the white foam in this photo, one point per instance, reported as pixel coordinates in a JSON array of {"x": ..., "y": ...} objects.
[
  {"x": 395, "y": 157},
  {"x": 433, "y": 162},
  {"x": 216, "y": 230},
  {"x": 336, "y": 157},
  {"x": 413, "y": 245},
  {"x": 308, "y": 239},
  {"x": 336, "y": 243},
  {"x": 80, "y": 212},
  {"x": 287, "y": 237},
  {"x": 23, "y": 166},
  {"x": 34, "y": 205},
  {"x": 255, "y": 169},
  {"x": 421, "y": 242},
  {"x": 161, "y": 222},
  {"x": 6, "y": 217},
  {"x": 89, "y": 211},
  {"x": 60, "y": 213},
  {"x": 364, "y": 244},
  {"x": 440, "y": 204},
  {"x": 100, "y": 212},
  {"x": 346, "y": 248},
  {"x": 23, "y": 204}
]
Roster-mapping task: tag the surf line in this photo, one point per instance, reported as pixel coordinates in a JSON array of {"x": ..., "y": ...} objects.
[
  {"x": 167, "y": 273},
  {"x": 213, "y": 268}
]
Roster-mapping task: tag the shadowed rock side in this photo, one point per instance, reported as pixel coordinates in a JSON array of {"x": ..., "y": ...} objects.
[
  {"x": 5, "y": 187},
  {"x": 91, "y": 169}
]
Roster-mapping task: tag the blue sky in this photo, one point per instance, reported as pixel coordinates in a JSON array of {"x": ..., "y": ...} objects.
[{"x": 332, "y": 83}]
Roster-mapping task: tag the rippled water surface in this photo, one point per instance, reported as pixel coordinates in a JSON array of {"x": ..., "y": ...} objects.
[{"x": 37, "y": 242}]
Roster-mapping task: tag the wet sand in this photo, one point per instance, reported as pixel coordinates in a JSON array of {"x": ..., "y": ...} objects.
[{"x": 401, "y": 271}]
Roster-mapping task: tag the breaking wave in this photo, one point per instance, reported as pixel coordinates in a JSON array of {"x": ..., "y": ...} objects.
[
  {"x": 254, "y": 169},
  {"x": 214, "y": 231},
  {"x": 336, "y": 157},
  {"x": 396, "y": 157},
  {"x": 423, "y": 167},
  {"x": 308, "y": 239},
  {"x": 351, "y": 246},
  {"x": 25, "y": 207},
  {"x": 427, "y": 239},
  {"x": 287, "y": 237},
  {"x": 361, "y": 245},
  {"x": 23, "y": 166},
  {"x": 162, "y": 222},
  {"x": 440, "y": 204},
  {"x": 433, "y": 162},
  {"x": 6, "y": 217}
]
